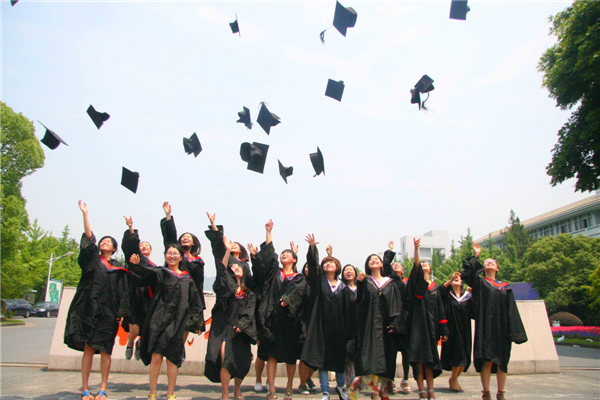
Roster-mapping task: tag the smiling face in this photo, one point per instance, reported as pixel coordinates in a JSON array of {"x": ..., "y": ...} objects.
[
  {"x": 287, "y": 257},
  {"x": 329, "y": 267},
  {"x": 375, "y": 263},
  {"x": 349, "y": 273},
  {"x": 457, "y": 281},
  {"x": 235, "y": 248},
  {"x": 145, "y": 249},
  {"x": 106, "y": 244},
  {"x": 490, "y": 265},
  {"x": 238, "y": 271},
  {"x": 398, "y": 268},
  {"x": 187, "y": 241},
  {"x": 426, "y": 267},
  {"x": 173, "y": 257}
]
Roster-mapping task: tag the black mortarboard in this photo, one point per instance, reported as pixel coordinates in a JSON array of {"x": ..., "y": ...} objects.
[
  {"x": 335, "y": 89},
  {"x": 51, "y": 139},
  {"x": 424, "y": 85},
  {"x": 255, "y": 154},
  {"x": 285, "y": 172},
  {"x": 235, "y": 28},
  {"x": 344, "y": 18},
  {"x": 130, "y": 179},
  {"x": 192, "y": 145},
  {"x": 245, "y": 118},
  {"x": 12, "y": 3},
  {"x": 267, "y": 119},
  {"x": 317, "y": 162},
  {"x": 98, "y": 117},
  {"x": 459, "y": 9}
]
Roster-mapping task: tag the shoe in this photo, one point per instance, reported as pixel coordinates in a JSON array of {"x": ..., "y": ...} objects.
[
  {"x": 136, "y": 353},
  {"x": 405, "y": 387},
  {"x": 271, "y": 395},
  {"x": 500, "y": 395},
  {"x": 311, "y": 386},
  {"x": 101, "y": 393},
  {"x": 86, "y": 393},
  {"x": 128, "y": 352},
  {"x": 303, "y": 389},
  {"x": 431, "y": 394},
  {"x": 258, "y": 387},
  {"x": 342, "y": 393},
  {"x": 288, "y": 394},
  {"x": 325, "y": 396},
  {"x": 486, "y": 395},
  {"x": 268, "y": 388},
  {"x": 422, "y": 394}
]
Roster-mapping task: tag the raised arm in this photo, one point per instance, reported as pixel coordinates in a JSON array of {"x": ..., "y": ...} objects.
[
  {"x": 86, "y": 222},
  {"x": 388, "y": 258},
  {"x": 417, "y": 244},
  {"x": 145, "y": 274},
  {"x": 167, "y": 209},
  {"x": 269, "y": 228},
  {"x": 131, "y": 241},
  {"x": 312, "y": 258},
  {"x": 167, "y": 226},
  {"x": 211, "y": 218},
  {"x": 472, "y": 268}
]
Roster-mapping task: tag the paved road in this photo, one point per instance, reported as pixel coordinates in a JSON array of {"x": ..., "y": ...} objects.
[
  {"x": 29, "y": 343},
  {"x": 569, "y": 356}
]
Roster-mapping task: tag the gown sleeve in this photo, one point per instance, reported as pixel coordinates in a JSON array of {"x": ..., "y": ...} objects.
[
  {"x": 88, "y": 250},
  {"x": 441, "y": 312},
  {"x": 417, "y": 285},
  {"x": 145, "y": 274},
  {"x": 388, "y": 258},
  {"x": 471, "y": 270},
  {"x": 294, "y": 294},
  {"x": 225, "y": 283},
  {"x": 195, "y": 321},
  {"x": 516, "y": 329},
  {"x": 266, "y": 262},
  {"x": 246, "y": 321},
  {"x": 123, "y": 292},
  {"x": 312, "y": 258},
  {"x": 169, "y": 231}
]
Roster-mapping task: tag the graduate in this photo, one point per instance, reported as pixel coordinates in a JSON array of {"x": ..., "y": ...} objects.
[
  {"x": 427, "y": 321},
  {"x": 192, "y": 248},
  {"x": 325, "y": 343},
  {"x": 349, "y": 275},
  {"x": 279, "y": 318},
  {"x": 305, "y": 372},
  {"x": 378, "y": 302},
  {"x": 101, "y": 300},
  {"x": 456, "y": 351},
  {"x": 390, "y": 268},
  {"x": 233, "y": 327},
  {"x": 497, "y": 321},
  {"x": 175, "y": 308}
]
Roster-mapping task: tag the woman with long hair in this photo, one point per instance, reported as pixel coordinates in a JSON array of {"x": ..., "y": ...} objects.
[
  {"x": 497, "y": 321},
  {"x": 279, "y": 319},
  {"x": 175, "y": 308},
  {"x": 233, "y": 327},
  {"x": 427, "y": 324},
  {"x": 348, "y": 276},
  {"x": 100, "y": 302}
]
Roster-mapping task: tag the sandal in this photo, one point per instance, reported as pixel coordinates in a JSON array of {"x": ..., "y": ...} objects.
[
  {"x": 86, "y": 393},
  {"x": 238, "y": 398},
  {"x": 101, "y": 393},
  {"x": 432, "y": 394},
  {"x": 500, "y": 395},
  {"x": 152, "y": 396},
  {"x": 171, "y": 397},
  {"x": 405, "y": 387},
  {"x": 422, "y": 394},
  {"x": 271, "y": 396},
  {"x": 486, "y": 395},
  {"x": 288, "y": 394}
]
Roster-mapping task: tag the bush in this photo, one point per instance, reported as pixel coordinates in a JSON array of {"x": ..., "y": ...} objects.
[{"x": 566, "y": 319}]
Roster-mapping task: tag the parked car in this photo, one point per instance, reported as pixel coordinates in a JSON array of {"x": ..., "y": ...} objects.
[
  {"x": 45, "y": 309},
  {"x": 19, "y": 307}
]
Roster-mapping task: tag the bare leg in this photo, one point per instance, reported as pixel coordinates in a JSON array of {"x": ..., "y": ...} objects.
[
  {"x": 302, "y": 373},
  {"x": 105, "y": 359},
  {"x": 225, "y": 376},
  {"x": 237, "y": 390},
  {"x": 154, "y": 371},
  {"x": 134, "y": 332},
  {"x": 429, "y": 378},
  {"x": 291, "y": 371},
  {"x": 185, "y": 336},
  {"x": 86, "y": 366},
  {"x": 486, "y": 373},
  {"x": 501, "y": 379},
  {"x": 271, "y": 371},
  {"x": 259, "y": 366},
  {"x": 420, "y": 378},
  {"x": 172, "y": 372}
]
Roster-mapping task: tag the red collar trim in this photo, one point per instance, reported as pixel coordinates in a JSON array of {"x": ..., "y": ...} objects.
[
  {"x": 190, "y": 257},
  {"x": 498, "y": 285},
  {"x": 111, "y": 267},
  {"x": 431, "y": 286},
  {"x": 405, "y": 279}
]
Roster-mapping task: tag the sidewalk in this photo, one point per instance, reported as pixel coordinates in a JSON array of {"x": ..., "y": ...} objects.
[{"x": 33, "y": 383}]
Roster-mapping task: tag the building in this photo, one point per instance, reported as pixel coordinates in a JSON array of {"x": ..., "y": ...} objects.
[
  {"x": 430, "y": 242},
  {"x": 579, "y": 218}
]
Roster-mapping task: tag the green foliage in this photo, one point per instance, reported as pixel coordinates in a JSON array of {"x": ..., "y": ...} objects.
[
  {"x": 572, "y": 75},
  {"x": 594, "y": 289},
  {"x": 560, "y": 268}
]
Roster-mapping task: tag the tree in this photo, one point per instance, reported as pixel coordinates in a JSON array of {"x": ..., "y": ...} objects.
[
  {"x": 572, "y": 75},
  {"x": 517, "y": 240}
]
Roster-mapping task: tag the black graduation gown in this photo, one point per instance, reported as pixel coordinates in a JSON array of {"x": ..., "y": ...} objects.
[
  {"x": 427, "y": 322},
  {"x": 102, "y": 296},
  {"x": 402, "y": 338},
  {"x": 230, "y": 311},
  {"x": 456, "y": 351},
  {"x": 351, "y": 317},
  {"x": 218, "y": 250},
  {"x": 280, "y": 327},
  {"x": 497, "y": 320},
  {"x": 325, "y": 343},
  {"x": 378, "y": 309}
]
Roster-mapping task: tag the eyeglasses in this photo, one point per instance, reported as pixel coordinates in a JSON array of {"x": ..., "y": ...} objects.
[{"x": 172, "y": 254}]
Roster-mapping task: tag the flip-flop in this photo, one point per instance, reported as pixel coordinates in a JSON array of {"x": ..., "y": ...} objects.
[
  {"x": 85, "y": 393},
  {"x": 100, "y": 394}
]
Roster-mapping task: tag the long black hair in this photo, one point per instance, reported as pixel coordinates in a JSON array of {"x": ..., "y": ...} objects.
[
  {"x": 355, "y": 273},
  {"x": 196, "y": 248},
  {"x": 367, "y": 269},
  {"x": 179, "y": 248}
]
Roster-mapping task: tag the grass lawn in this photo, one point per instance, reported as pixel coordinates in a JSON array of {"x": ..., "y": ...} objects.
[
  {"x": 11, "y": 322},
  {"x": 580, "y": 342}
]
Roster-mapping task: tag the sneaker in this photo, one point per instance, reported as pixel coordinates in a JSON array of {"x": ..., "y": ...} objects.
[
  {"x": 136, "y": 353},
  {"x": 128, "y": 352},
  {"x": 311, "y": 386},
  {"x": 342, "y": 393},
  {"x": 303, "y": 389},
  {"x": 258, "y": 387},
  {"x": 325, "y": 396}
]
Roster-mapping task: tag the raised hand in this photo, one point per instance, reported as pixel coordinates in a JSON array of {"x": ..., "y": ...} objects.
[
  {"x": 476, "y": 249},
  {"x": 329, "y": 250},
  {"x": 361, "y": 277},
  {"x": 310, "y": 238},
  {"x": 134, "y": 259},
  {"x": 83, "y": 207},
  {"x": 391, "y": 246},
  {"x": 129, "y": 222},
  {"x": 211, "y": 218},
  {"x": 294, "y": 247},
  {"x": 269, "y": 225},
  {"x": 283, "y": 303},
  {"x": 227, "y": 243},
  {"x": 417, "y": 243},
  {"x": 167, "y": 209},
  {"x": 253, "y": 250}
]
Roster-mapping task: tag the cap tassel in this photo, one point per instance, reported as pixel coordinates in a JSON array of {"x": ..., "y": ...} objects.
[
  {"x": 322, "y": 35},
  {"x": 423, "y": 104}
]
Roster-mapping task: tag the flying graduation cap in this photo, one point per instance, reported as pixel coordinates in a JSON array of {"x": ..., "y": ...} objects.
[
  {"x": 317, "y": 162},
  {"x": 459, "y": 9},
  {"x": 98, "y": 117},
  {"x": 51, "y": 139},
  {"x": 424, "y": 85},
  {"x": 245, "y": 118},
  {"x": 235, "y": 28},
  {"x": 335, "y": 89},
  {"x": 285, "y": 172},
  {"x": 192, "y": 145},
  {"x": 255, "y": 154},
  {"x": 267, "y": 119},
  {"x": 12, "y": 3},
  {"x": 130, "y": 179},
  {"x": 344, "y": 18}
]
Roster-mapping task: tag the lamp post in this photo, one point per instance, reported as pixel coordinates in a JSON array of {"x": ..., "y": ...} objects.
[{"x": 50, "y": 261}]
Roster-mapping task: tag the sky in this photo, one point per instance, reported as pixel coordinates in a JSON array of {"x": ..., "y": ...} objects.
[{"x": 164, "y": 70}]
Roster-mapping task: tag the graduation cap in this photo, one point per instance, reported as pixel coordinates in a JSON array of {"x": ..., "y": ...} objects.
[
  {"x": 267, "y": 119},
  {"x": 285, "y": 172},
  {"x": 424, "y": 85},
  {"x": 245, "y": 118},
  {"x": 130, "y": 179},
  {"x": 344, "y": 18},
  {"x": 317, "y": 162},
  {"x": 335, "y": 90},
  {"x": 12, "y": 3},
  {"x": 459, "y": 9},
  {"x": 255, "y": 154},
  {"x": 98, "y": 117},
  {"x": 235, "y": 28},
  {"x": 51, "y": 139},
  {"x": 192, "y": 145}
]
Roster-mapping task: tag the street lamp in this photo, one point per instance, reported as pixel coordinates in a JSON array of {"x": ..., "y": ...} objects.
[{"x": 50, "y": 261}]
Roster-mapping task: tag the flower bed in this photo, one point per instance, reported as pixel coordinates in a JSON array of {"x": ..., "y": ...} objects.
[{"x": 577, "y": 332}]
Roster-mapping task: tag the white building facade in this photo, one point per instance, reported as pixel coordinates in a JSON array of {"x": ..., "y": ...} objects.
[{"x": 430, "y": 242}]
